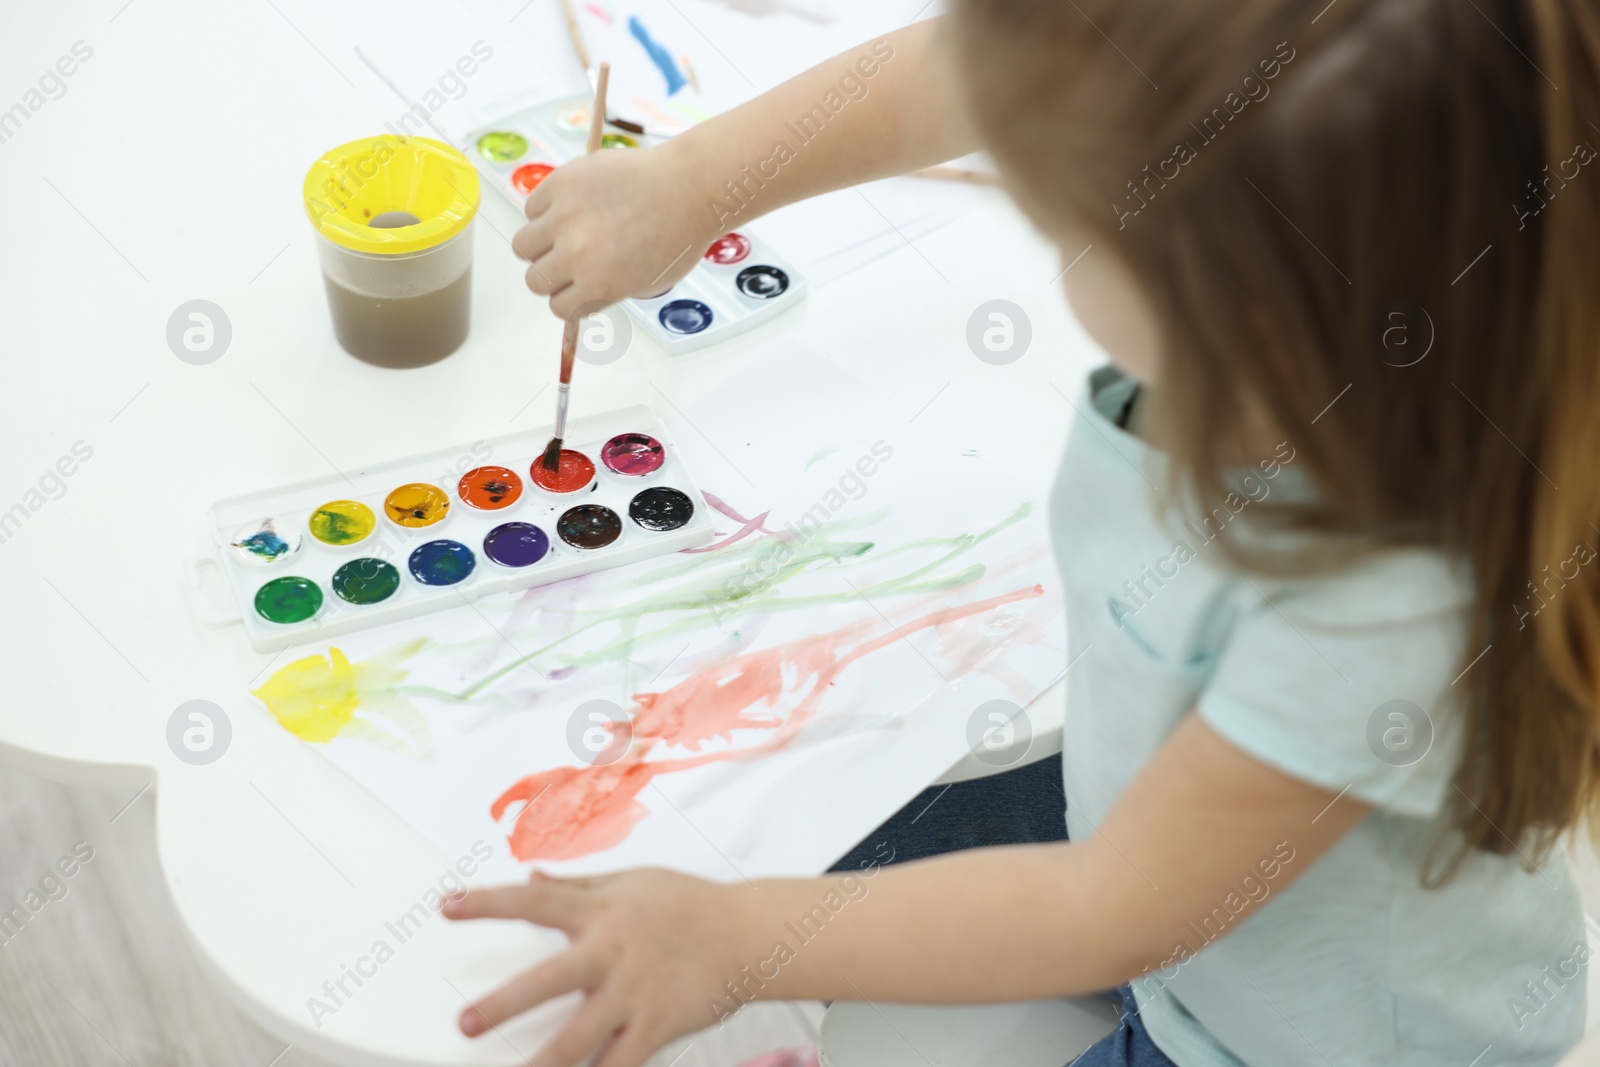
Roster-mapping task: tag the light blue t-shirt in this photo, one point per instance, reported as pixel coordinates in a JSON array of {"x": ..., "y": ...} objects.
[{"x": 1345, "y": 681}]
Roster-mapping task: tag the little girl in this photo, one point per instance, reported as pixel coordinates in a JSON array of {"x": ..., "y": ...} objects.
[{"x": 1324, "y": 526}]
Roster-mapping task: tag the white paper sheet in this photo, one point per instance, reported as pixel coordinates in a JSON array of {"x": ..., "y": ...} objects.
[
  {"x": 770, "y": 731},
  {"x": 736, "y": 49},
  {"x": 724, "y": 51}
]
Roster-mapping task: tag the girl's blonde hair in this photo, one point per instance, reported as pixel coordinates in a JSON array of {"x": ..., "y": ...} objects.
[{"x": 1378, "y": 222}]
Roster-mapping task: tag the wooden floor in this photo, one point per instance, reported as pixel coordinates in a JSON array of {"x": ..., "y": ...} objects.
[{"x": 102, "y": 976}]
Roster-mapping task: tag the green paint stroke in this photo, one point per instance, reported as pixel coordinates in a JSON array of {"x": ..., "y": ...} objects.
[
  {"x": 723, "y": 580},
  {"x": 819, "y": 456},
  {"x": 697, "y": 562}
]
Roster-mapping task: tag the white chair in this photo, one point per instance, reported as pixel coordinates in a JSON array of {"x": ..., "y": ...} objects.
[{"x": 1041, "y": 1033}]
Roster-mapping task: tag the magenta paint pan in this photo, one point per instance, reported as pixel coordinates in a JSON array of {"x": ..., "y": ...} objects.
[{"x": 633, "y": 455}]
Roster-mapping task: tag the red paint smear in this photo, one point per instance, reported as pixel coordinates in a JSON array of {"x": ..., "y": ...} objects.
[
  {"x": 583, "y": 810},
  {"x": 574, "y": 470},
  {"x": 598, "y": 13}
]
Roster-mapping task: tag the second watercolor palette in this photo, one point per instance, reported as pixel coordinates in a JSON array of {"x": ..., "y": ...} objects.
[
  {"x": 410, "y": 536},
  {"x": 739, "y": 282}
]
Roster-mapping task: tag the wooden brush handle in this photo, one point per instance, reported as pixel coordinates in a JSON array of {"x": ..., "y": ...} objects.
[
  {"x": 569, "y": 332},
  {"x": 597, "y": 121},
  {"x": 597, "y": 117},
  {"x": 576, "y": 33},
  {"x": 569, "y": 349}
]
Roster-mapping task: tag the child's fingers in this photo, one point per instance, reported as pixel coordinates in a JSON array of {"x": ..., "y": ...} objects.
[
  {"x": 596, "y": 1021},
  {"x": 546, "y": 903},
  {"x": 548, "y": 275},
  {"x": 493, "y": 902},
  {"x": 538, "y": 201},
  {"x": 577, "y": 881},
  {"x": 569, "y": 301},
  {"x": 560, "y": 974},
  {"x": 630, "y": 1048},
  {"x": 532, "y": 240}
]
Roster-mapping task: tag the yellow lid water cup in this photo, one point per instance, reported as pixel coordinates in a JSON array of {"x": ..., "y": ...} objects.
[{"x": 395, "y": 217}]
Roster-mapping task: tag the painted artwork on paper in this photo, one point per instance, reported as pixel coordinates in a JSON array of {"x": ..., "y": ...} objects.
[{"x": 763, "y": 701}]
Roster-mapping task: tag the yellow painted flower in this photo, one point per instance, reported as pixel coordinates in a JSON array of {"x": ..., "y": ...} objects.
[{"x": 322, "y": 697}]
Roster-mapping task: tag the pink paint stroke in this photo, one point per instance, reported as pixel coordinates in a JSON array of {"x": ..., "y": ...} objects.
[
  {"x": 583, "y": 810},
  {"x": 748, "y": 527},
  {"x": 664, "y": 117}
]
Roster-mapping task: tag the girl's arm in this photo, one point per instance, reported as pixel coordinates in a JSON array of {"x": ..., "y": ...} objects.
[
  {"x": 1205, "y": 832},
  {"x": 617, "y": 224}
]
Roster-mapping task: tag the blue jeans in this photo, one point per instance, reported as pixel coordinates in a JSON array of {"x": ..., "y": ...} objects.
[
  {"x": 1016, "y": 807},
  {"x": 1129, "y": 1045}
]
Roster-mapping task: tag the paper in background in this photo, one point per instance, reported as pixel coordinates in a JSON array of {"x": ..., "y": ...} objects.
[{"x": 721, "y": 53}]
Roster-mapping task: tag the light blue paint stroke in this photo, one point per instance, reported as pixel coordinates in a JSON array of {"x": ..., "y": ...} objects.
[{"x": 658, "y": 55}]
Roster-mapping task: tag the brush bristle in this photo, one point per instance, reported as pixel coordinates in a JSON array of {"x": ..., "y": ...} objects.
[{"x": 552, "y": 455}]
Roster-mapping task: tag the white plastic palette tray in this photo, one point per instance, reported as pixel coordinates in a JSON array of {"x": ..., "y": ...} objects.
[
  {"x": 287, "y": 570},
  {"x": 723, "y": 296},
  {"x": 740, "y": 281}
]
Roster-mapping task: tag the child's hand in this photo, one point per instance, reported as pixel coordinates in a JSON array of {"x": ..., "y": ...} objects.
[
  {"x": 614, "y": 224},
  {"x": 649, "y": 949},
  {"x": 623, "y": 223}
]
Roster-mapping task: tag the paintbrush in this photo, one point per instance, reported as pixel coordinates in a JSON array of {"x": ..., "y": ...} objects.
[
  {"x": 579, "y": 46},
  {"x": 569, "y": 333},
  {"x": 569, "y": 353},
  {"x": 597, "y": 117}
]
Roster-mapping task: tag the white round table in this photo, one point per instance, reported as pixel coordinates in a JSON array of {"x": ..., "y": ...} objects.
[{"x": 168, "y": 171}]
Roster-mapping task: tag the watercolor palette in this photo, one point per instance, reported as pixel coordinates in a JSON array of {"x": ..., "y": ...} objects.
[
  {"x": 410, "y": 536},
  {"x": 740, "y": 281}
]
